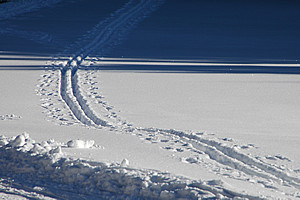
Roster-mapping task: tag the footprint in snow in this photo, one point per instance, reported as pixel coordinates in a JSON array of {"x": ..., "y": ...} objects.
[
  {"x": 164, "y": 140},
  {"x": 179, "y": 150},
  {"x": 278, "y": 157},
  {"x": 168, "y": 148},
  {"x": 248, "y": 146},
  {"x": 173, "y": 149},
  {"x": 189, "y": 160}
]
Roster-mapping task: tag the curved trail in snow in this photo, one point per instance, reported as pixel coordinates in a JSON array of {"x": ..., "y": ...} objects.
[
  {"x": 105, "y": 34},
  {"x": 109, "y": 33}
]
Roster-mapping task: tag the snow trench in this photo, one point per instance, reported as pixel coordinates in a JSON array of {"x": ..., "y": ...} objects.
[
  {"x": 71, "y": 101},
  {"x": 45, "y": 169}
]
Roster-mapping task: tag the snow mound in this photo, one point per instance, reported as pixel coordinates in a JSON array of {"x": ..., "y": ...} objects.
[
  {"x": 44, "y": 165},
  {"x": 80, "y": 143},
  {"x": 124, "y": 163}
]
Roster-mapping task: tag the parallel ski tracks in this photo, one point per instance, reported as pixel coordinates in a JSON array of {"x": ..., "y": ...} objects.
[
  {"x": 229, "y": 157},
  {"x": 106, "y": 34}
]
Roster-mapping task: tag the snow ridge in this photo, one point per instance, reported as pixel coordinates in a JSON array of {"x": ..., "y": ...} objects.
[{"x": 42, "y": 168}]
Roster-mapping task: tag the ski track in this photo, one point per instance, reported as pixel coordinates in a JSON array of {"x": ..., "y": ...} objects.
[
  {"x": 102, "y": 38},
  {"x": 123, "y": 19},
  {"x": 228, "y": 156}
]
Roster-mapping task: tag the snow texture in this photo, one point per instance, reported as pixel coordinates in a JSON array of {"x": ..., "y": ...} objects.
[
  {"x": 43, "y": 163},
  {"x": 44, "y": 169}
]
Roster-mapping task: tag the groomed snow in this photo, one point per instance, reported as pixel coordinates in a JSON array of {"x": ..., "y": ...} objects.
[{"x": 71, "y": 131}]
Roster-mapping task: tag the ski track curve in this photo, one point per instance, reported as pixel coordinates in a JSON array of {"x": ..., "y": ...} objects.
[
  {"x": 102, "y": 38},
  {"x": 106, "y": 32}
]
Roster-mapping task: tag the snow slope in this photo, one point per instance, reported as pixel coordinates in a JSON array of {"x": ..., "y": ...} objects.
[{"x": 101, "y": 152}]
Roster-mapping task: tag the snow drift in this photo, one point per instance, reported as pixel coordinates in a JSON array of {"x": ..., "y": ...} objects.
[{"x": 44, "y": 165}]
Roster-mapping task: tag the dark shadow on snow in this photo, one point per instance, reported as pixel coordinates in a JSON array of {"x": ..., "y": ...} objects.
[{"x": 201, "y": 69}]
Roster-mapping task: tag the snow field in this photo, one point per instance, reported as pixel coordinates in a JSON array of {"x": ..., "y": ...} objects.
[
  {"x": 81, "y": 105},
  {"x": 72, "y": 96},
  {"x": 216, "y": 151}
]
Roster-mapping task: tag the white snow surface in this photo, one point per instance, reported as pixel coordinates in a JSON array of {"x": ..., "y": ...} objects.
[{"x": 72, "y": 132}]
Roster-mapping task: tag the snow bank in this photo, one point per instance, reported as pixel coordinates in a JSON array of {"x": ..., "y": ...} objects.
[
  {"x": 17, "y": 7},
  {"x": 43, "y": 165}
]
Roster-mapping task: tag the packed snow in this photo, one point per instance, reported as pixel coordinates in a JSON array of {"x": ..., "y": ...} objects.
[{"x": 137, "y": 100}]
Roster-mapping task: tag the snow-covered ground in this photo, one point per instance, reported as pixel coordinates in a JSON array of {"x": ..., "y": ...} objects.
[{"x": 149, "y": 99}]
